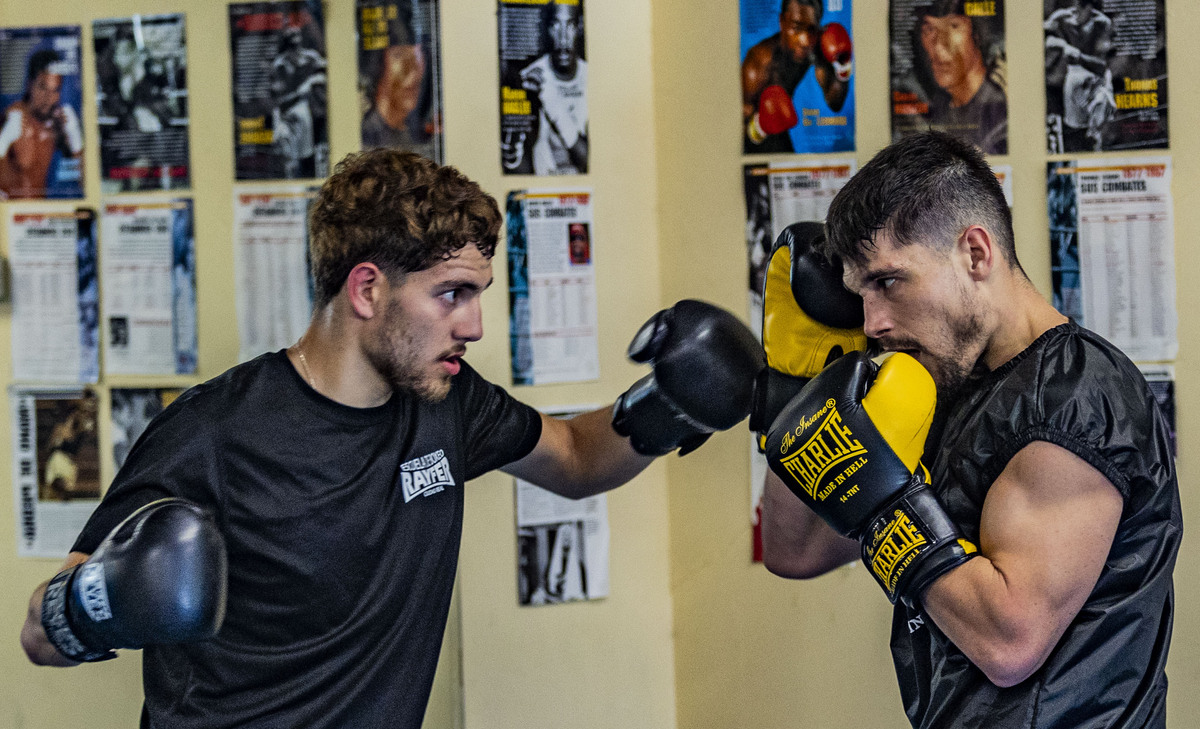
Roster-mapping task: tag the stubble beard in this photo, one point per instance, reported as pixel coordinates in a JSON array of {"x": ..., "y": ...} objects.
[{"x": 396, "y": 356}]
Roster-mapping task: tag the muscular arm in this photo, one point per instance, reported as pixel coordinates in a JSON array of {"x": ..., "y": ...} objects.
[
  {"x": 796, "y": 542},
  {"x": 1047, "y": 525},
  {"x": 580, "y": 456},
  {"x": 33, "y": 637},
  {"x": 834, "y": 89},
  {"x": 754, "y": 77}
]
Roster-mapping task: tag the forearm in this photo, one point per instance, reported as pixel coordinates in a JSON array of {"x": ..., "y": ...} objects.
[
  {"x": 984, "y": 613},
  {"x": 797, "y": 543},
  {"x": 599, "y": 459}
]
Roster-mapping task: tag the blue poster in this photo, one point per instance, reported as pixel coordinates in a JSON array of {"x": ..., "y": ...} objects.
[
  {"x": 41, "y": 137},
  {"x": 797, "y": 76}
]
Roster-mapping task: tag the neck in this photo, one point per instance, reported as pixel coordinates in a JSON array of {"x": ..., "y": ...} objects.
[
  {"x": 1024, "y": 316},
  {"x": 329, "y": 357}
]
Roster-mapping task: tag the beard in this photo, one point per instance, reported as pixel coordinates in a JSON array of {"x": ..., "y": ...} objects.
[{"x": 395, "y": 354}]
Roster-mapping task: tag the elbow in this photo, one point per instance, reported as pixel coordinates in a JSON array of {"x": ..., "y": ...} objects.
[
  {"x": 791, "y": 564},
  {"x": 1010, "y": 663}
]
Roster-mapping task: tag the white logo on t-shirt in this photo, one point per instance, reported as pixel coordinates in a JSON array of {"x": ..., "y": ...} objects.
[{"x": 425, "y": 476}]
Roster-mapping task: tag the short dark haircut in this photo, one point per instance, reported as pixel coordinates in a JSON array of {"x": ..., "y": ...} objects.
[
  {"x": 398, "y": 210},
  {"x": 40, "y": 61},
  {"x": 817, "y": 6},
  {"x": 926, "y": 188}
]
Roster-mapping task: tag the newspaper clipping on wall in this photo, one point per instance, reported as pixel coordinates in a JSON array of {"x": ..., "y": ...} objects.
[
  {"x": 280, "y": 99},
  {"x": 543, "y": 88},
  {"x": 274, "y": 288},
  {"x": 1112, "y": 251},
  {"x": 56, "y": 295},
  {"x": 41, "y": 136},
  {"x": 562, "y": 544},
  {"x": 551, "y": 287},
  {"x": 948, "y": 70},
  {"x": 142, "y": 103},
  {"x": 1106, "y": 75},
  {"x": 56, "y": 466},
  {"x": 400, "y": 75},
  {"x": 797, "y": 76},
  {"x": 149, "y": 272}
]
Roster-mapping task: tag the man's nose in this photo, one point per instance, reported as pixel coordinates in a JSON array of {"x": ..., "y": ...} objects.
[
  {"x": 470, "y": 324},
  {"x": 876, "y": 321}
]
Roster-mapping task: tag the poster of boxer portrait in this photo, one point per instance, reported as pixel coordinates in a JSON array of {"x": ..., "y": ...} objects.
[
  {"x": 142, "y": 103},
  {"x": 280, "y": 128},
  {"x": 543, "y": 88},
  {"x": 1106, "y": 75},
  {"x": 948, "y": 70},
  {"x": 132, "y": 410},
  {"x": 41, "y": 138},
  {"x": 400, "y": 75},
  {"x": 56, "y": 466},
  {"x": 797, "y": 76}
]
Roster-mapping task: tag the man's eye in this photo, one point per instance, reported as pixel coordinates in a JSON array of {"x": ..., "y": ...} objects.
[
  {"x": 449, "y": 296},
  {"x": 886, "y": 283}
]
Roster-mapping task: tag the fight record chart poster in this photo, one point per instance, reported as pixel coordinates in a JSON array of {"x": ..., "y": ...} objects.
[
  {"x": 797, "y": 76},
  {"x": 280, "y": 128},
  {"x": 949, "y": 71},
  {"x": 1106, "y": 75},
  {"x": 1113, "y": 251},
  {"x": 400, "y": 75}
]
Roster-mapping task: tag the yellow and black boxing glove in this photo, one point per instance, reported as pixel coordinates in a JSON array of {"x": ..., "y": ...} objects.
[
  {"x": 809, "y": 320},
  {"x": 849, "y": 445}
]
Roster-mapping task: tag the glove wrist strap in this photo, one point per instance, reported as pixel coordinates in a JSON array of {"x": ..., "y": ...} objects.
[{"x": 58, "y": 626}]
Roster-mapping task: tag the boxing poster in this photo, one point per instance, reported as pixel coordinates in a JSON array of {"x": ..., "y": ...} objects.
[
  {"x": 132, "y": 410},
  {"x": 280, "y": 119},
  {"x": 797, "y": 76},
  {"x": 562, "y": 544},
  {"x": 553, "y": 327},
  {"x": 1112, "y": 251},
  {"x": 543, "y": 88},
  {"x": 142, "y": 103},
  {"x": 271, "y": 267},
  {"x": 56, "y": 295},
  {"x": 56, "y": 466},
  {"x": 948, "y": 70},
  {"x": 41, "y": 137},
  {"x": 149, "y": 272},
  {"x": 400, "y": 75},
  {"x": 1161, "y": 379},
  {"x": 1106, "y": 75}
]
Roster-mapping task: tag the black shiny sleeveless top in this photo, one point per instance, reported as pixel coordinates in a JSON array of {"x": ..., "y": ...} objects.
[{"x": 1074, "y": 389}]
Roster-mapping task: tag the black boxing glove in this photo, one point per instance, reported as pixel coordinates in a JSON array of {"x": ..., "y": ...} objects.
[
  {"x": 809, "y": 320},
  {"x": 159, "y": 577},
  {"x": 849, "y": 446},
  {"x": 705, "y": 363}
]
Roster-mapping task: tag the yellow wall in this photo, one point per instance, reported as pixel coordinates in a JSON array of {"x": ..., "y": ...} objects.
[{"x": 693, "y": 635}]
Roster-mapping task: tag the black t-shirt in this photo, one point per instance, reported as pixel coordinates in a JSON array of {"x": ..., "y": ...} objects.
[
  {"x": 342, "y": 527},
  {"x": 1073, "y": 389}
]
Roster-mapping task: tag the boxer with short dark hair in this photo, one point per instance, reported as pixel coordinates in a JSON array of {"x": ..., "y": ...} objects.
[
  {"x": 1038, "y": 546},
  {"x": 334, "y": 469}
]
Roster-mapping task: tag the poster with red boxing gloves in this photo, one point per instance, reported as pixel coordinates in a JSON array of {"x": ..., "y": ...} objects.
[
  {"x": 797, "y": 76},
  {"x": 948, "y": 70}
]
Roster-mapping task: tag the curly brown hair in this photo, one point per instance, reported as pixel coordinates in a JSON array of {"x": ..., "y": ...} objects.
[{"x": 398, "y": 210}]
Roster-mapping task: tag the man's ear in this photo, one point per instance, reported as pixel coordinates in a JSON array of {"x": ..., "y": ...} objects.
[
  {"x": 365, "y": 286},
  {"x": 979, "y": 249}
]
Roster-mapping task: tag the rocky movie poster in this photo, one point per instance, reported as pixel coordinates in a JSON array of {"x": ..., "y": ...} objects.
[
  {"x": 280, "y": 127},
  {"x": 948, "y": 70},
  {"x": 400, "y": 75},
  {"x": 41, "y": 135},
  {"x": 1106, "y": 75},
  {"x": 142, "y": 103},
  {"x": 797, "y": 76},
  {"x": 543, "y": 88}
]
